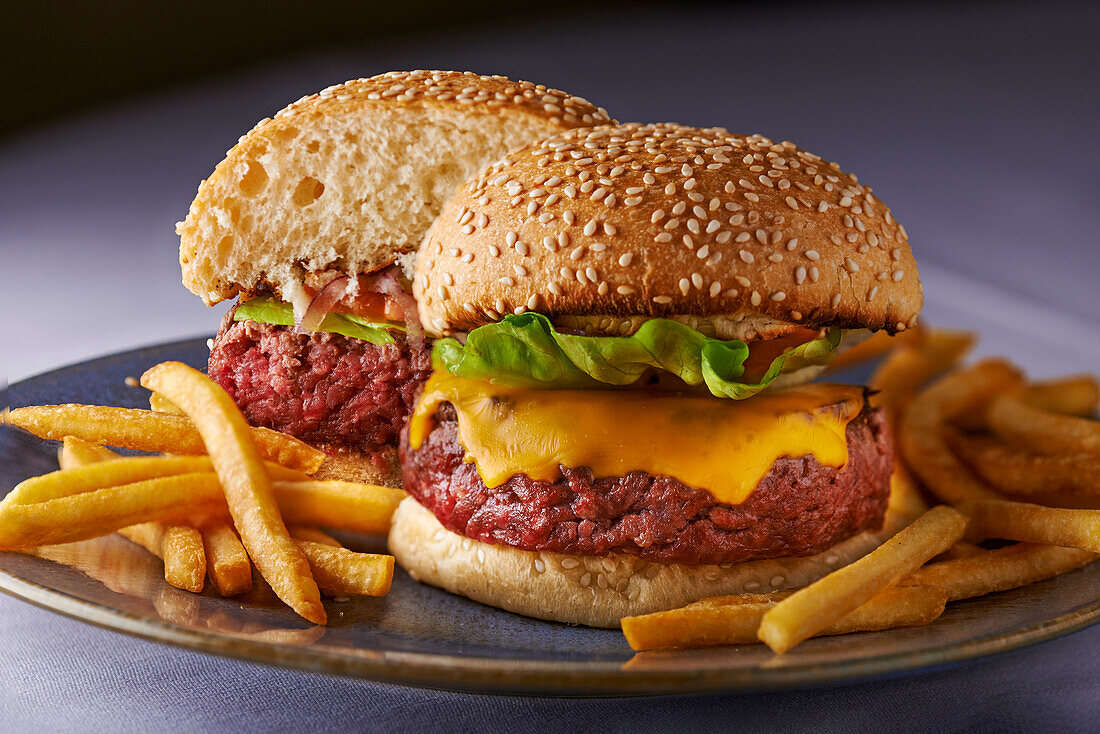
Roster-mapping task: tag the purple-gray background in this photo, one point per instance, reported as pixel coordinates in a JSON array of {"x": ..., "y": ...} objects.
[{"x": 974, "y": 123}]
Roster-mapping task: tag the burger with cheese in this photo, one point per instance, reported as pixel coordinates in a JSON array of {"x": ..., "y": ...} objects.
[
  {"x": 617, "y": 420},
  {"x": 308, "y": 219}
]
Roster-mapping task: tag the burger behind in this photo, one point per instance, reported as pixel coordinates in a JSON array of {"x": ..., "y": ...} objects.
[
  {"x": 309, "y": 219},
  {"x": 615, "y": 423}
]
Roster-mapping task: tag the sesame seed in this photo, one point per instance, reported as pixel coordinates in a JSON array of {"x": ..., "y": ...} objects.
[
  {"x": 626, "y": 258},
  {"x": 507, "y": 281},
  {"x": 898, "y": 275},
  {"x": 685, "y": 286},
  {"x": 778, "y": 296},
  {"x": 577, "y": 253},
  {"x": 836, "y": 300},
  {"x": 851, "y": 265},
  {"x": 662, "y": 300},
  {"x": 755, "y": 298},
  {"x": 746, "y": 256},
  {"x": 812, "y": 255},
  {"x": 624, "y": 290},
  {"x": 590, "y": 228},
  {"x": 742, "y": 281}
]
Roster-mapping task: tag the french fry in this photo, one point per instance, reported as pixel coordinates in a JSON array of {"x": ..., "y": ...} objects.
[
  {"x": 998, "y": 570},
  {"x": 161, "y": 404},
  {"x": 1034, "y": 524},
  {"x": 340, "y": 571},
  {"x": 364, "y": 508},
  {"x": 314, "y": 535},
  {"x": 78, "y": 452},
  {"x": 922, "y": 440},
  {"x": 118, "y": 471},
  {"x": 1078, "y": 395},
  {"x": 909, "y": 366},
  {"x": 184, "y": 558},
  {"x": 361, "y": 508},
  {"x": 245, "y": 481},
  {"x": 104, "y": 511},
  {"x": 961, "y": 549},
  {"x": 905, "y": 496},
  {"x": 824, "y": 602},
  {"x": 179, "y": 546},
  {"x": 146, "y": 430},
  {"x": 149, "y": 535},
  {"x": 1015, "y": 420},
  {"x": 100, "y": 475},
  {"x": 1020, "y": 472},
  {"x": 875, "y": 345},
  {"x": 734, "y": 620},
  {"x": 227, "y": 562}
]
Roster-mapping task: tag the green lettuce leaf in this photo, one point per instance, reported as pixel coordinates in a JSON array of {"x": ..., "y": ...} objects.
[
  {"x": 267, "y": 310},
  {"x": 527, "y": 351}
]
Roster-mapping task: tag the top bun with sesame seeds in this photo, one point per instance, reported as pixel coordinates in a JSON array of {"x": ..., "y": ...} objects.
[
  {"x": 349, "y": 179},
  {"x": 665, "y": 220}
]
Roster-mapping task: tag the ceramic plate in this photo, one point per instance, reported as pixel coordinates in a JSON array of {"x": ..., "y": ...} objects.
[{"x": 420, "y": 635}]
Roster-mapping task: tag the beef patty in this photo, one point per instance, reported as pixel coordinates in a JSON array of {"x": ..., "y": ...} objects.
[
  {"x": 328, "y": 390},
  {"x": 799, "y": 508}
]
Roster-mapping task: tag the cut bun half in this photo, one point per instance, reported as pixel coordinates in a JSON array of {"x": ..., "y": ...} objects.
[{"x": 350, "y": 178}]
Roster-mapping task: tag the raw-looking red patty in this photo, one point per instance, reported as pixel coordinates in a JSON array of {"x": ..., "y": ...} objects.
[
  {"x": 326, "y": 389},
  {"x": 801, "y": 507}
]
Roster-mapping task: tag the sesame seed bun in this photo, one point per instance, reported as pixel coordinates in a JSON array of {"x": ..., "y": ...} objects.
[
  {"x": 590, "y": 590},
  {"x": 662, "y": 220},
  {"x": 350, "y": 178}
]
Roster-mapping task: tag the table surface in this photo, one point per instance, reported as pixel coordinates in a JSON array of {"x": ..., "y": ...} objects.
[{"x": 974, "y": 124}]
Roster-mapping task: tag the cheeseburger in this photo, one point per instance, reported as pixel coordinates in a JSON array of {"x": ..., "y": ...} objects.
[
  {"x": 617, "y": 420},
  {"x": 308, "y": 219}
]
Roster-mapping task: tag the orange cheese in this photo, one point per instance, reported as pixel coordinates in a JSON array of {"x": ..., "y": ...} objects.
[{"x": 723, "y": 446}]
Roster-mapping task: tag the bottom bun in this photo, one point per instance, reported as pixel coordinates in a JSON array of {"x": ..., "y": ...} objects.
[
  {"x": 596, "y": 591},
  {"x": 352, "y": 466}
]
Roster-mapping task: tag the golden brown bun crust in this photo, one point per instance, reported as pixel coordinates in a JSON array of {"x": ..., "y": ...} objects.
[
  {"x": 351, "y": 177},
  {"x": 663, "y": 219},
  {"x": 350, "y": 466},
  {"x": 597, "y": 592}
]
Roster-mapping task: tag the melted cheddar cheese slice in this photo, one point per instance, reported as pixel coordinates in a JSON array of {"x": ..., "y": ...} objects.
[{"x": 723, "y": 446}]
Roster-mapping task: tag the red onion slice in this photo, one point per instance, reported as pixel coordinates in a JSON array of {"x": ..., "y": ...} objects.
[
  {"x": 387, "y": 284},
  {"x": 321, "y": 304}
]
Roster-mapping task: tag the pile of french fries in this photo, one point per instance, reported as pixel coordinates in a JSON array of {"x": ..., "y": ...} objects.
[
  {"x": 1007, "y": 460},
  {"x": 221, "y": 498}
]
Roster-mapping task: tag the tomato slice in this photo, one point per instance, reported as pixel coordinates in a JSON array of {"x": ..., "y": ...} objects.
[{"x": 763, "y": 353}]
